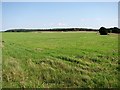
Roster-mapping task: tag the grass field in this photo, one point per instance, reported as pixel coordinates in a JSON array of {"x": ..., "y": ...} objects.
[{"x": 52, "y": 60}]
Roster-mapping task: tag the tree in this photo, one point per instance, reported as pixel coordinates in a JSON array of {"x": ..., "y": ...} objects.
[{"x": 103, "y": 31}]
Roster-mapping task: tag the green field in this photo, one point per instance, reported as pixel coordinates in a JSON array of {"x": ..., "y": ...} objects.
[{"x": 59, "y": 59}]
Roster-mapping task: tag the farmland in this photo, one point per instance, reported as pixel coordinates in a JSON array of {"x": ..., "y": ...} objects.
[{"x": 59, "y": 59}]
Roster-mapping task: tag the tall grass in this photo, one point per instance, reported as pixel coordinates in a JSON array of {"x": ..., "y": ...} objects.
[{"x": 51, "y": 60}]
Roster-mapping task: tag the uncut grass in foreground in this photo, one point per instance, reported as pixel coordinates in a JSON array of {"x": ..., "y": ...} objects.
[{"x": 48, "y": 60}]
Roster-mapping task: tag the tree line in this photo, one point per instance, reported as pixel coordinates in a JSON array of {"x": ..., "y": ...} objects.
[
  {"x": 102, "y": 30},
  {"x": 105, "y": 31},
  {"x": 55, "y": 29}
]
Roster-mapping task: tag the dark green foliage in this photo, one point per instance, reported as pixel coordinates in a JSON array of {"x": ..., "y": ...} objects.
[
  {"x": 103, "y": 31},
  {"x": 115, "y": 30},
  {"x": 55, "y": 29}
]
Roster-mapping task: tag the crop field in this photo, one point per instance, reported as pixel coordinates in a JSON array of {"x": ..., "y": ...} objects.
[{"x": 59, "y": 60}]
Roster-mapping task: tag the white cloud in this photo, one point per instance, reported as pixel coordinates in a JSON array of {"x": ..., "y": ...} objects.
[
  {"x": 61, "y": 24},
  {"x": 58, "y": 24}
]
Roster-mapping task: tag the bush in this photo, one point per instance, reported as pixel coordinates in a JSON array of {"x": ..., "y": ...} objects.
[
  {"x": 115, "y": 30},
  {"x": 103, "y": 31}
]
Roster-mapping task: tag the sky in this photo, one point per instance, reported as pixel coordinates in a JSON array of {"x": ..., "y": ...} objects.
[
  {"x": 0, "y": 16},
  {"x": 119, "y": 14},
  {"x": 59, "y": 14},
  {"x": 60, "y": 0}
]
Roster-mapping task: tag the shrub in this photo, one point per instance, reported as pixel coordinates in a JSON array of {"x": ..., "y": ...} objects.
[{"x": 103, "y": 31}]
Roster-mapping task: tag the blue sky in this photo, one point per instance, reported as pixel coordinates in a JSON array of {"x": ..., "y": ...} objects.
[
  {"x": 59, "y": 14},
  {"x": 0, "y": 16},
  {"x": 60, "y": 0},
  {"x": 119, "y": 14}
]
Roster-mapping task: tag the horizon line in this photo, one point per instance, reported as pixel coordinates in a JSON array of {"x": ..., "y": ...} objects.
[{"x": 58, "y": 28}]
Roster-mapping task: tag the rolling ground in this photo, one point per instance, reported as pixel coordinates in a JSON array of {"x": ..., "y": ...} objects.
[{"x": 51, "y": 60}]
